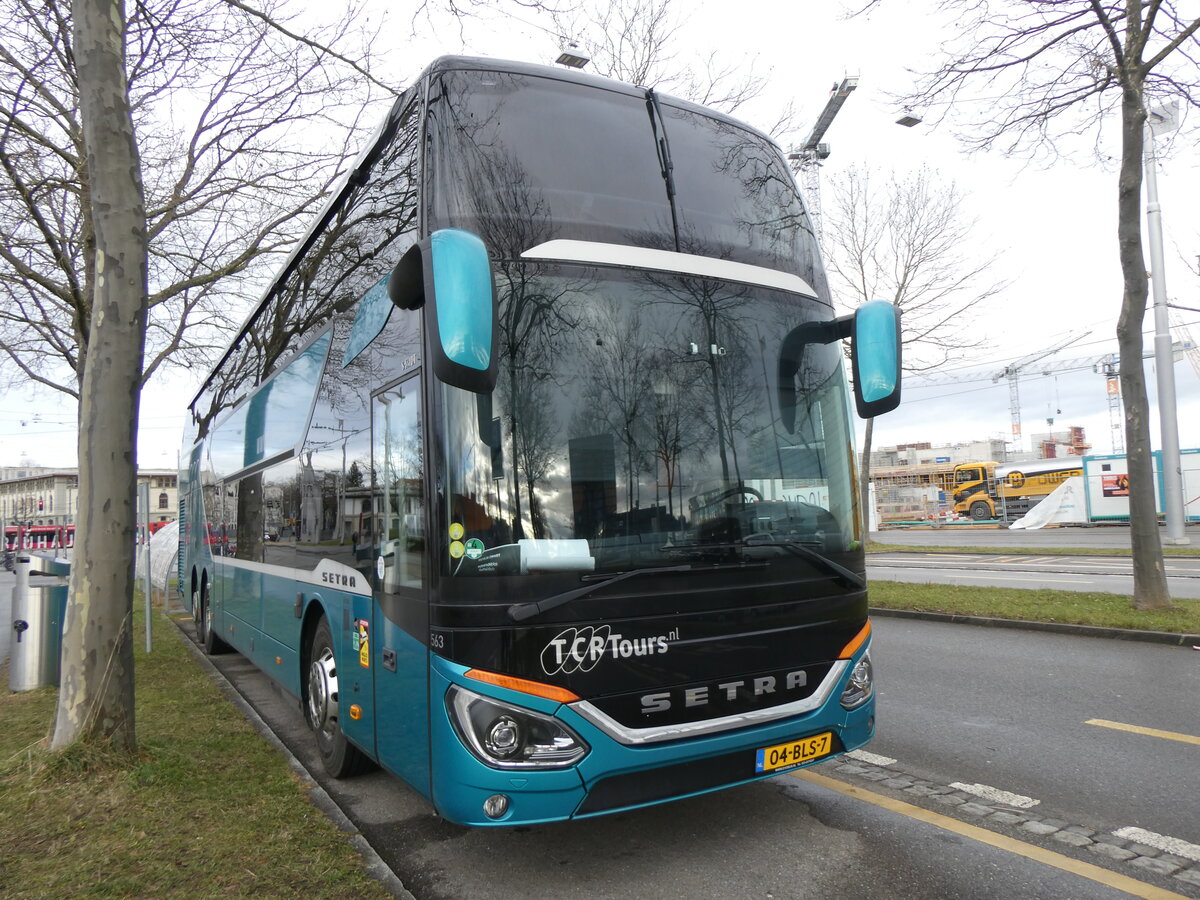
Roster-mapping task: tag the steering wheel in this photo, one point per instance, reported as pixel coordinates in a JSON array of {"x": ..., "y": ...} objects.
[{"x": 734, "y": 492}]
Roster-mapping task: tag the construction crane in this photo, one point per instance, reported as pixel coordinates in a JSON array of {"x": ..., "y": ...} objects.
[
  {"x": 1109, "y": 366},
  {"x": 808, "y": 157},
  {"x": 1189, "y": 346},
  {"x": 1013, "y": 370}
]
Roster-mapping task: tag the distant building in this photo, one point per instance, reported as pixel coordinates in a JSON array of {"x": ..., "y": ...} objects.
[
  {"x": 31, "y": 495},
  {"x": 1057, "y": 444},
  {"x": 10, "y": 473},
  {"x": 927, "y": 454}
]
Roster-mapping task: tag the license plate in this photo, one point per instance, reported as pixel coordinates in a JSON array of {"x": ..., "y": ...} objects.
[{"x": 783, "y": 756}]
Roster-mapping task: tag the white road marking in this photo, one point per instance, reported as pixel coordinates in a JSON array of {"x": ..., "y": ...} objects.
[
  {"x": 1019, "y": 578},
  {"x": 872, "y": 758},
  {"x": 992, "y": 577},
  {"x": 995, "y": 795},
  {"x": 1160, "y": 842}
]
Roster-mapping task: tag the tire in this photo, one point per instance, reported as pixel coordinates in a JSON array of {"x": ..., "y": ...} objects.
[
  {"x": 321, "y": 708},
  {"x": 980, "y": 511},
  {"x": 205, "y": 636},
  {"x": 197, "y": 616}
]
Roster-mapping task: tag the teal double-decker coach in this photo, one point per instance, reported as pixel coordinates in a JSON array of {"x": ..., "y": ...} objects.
[{"x": 531, "y": 476}]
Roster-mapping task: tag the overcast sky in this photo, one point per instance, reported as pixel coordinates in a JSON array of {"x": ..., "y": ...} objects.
[{"x": 1055, "y": 228}]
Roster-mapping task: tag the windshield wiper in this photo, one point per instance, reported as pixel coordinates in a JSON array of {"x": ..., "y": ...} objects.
[
  {"x": 663, "y": 146},
  {"x": 519, "y": 612},
  {"x": 840, "y": 572}
]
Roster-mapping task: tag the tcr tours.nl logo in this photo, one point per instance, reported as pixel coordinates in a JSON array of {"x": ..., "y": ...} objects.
[{"x": 580, "y": 649}]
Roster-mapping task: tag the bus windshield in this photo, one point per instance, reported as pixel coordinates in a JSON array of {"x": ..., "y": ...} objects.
[{"x": 638, "y": 412}]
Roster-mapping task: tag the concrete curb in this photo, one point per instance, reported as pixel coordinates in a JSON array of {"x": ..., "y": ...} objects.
[
  {"x": 1123, "y": 634},
  {"x": 376, "y": 867}
]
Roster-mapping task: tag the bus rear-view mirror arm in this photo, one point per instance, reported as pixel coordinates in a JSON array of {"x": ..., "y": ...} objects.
[{"x": 874, "y": 332}]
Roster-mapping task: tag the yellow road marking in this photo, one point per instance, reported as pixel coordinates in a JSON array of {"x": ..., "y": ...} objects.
[
  {"x": 1100, "y": 875},
  {"x": 1152, "y": 732}
]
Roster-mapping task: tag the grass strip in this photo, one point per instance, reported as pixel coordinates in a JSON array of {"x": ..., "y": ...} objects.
[
  {"x": 1069, "y": 607},
  {"x": 205, "y": 808}
]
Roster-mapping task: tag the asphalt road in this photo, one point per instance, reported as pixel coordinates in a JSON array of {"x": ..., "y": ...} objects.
[
  {"x": 957, "y": 704},
  {"x": 1106, "y": 536},
  {"x": 1009, "y": 708}
]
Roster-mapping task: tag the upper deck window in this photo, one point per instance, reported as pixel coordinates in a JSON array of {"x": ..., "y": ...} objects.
[{"x": 522, "y": 160}]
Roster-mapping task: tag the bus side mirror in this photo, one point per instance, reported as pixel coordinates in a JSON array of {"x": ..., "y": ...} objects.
[
  {"x": 875, "y": 356},
  {"x": 450, "y": 273}
]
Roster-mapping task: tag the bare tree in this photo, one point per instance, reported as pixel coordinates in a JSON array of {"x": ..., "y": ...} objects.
[
  {"x": 240, "y": 128},
  {"x": 908, "y": 242},
  {"x": 1050, "y": 71},
  {"x": 620, "y": 389},
  {"x": 103, "y": 278},
  {"x": 96, "y": 699}
]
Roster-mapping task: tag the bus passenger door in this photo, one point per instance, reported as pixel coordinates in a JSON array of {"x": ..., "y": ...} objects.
[{"x": 401, "y": 607}]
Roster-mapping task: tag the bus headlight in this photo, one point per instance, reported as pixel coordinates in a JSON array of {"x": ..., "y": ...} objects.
[
  {"x": 861, "y": 686},
  {"x": 509, "y": 737}
]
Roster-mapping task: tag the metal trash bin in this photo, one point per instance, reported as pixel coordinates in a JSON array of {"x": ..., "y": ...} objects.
[{"x": 39, "y": 607}]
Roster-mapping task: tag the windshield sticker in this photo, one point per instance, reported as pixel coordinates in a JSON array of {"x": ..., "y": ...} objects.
[
  {"x": 581, "y": 649},
  {"x": 456, "y": 531},
  {"x": 457, "y": 549},
  {"x": 474, "y": 548}
]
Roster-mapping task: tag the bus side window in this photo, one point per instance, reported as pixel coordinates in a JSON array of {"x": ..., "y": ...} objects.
[
  {"x": 214, "y": 509},
  {"x": 399, "y": 504},
  {"x": 248, "y": 502}
]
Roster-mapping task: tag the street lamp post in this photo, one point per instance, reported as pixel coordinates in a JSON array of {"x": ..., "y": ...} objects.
[{"x": 1162, "y": 121}]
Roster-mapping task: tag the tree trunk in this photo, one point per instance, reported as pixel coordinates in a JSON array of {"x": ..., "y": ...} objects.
[
  {"x": 864, "y": 483},
  {"x": 95, "y": 702},
  {"x": 1149, "y": 576}
]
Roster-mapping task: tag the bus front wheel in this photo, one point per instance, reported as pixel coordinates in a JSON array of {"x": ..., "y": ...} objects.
[
  {"x": 979, "y": 511},
  {"x": 322, "y": 708}
]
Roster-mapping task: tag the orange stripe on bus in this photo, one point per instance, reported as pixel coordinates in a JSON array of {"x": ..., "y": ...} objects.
[
  {"x": 859, "y": 639},
  {"x": 536, "y": 688}
]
